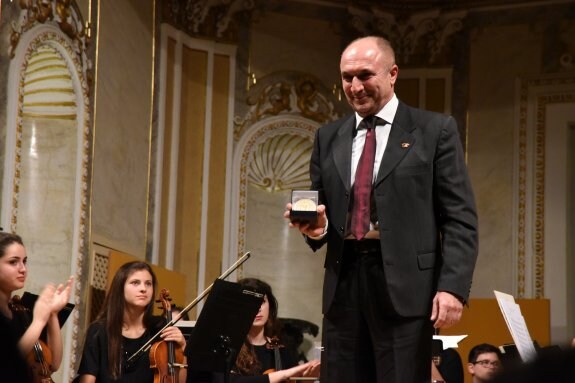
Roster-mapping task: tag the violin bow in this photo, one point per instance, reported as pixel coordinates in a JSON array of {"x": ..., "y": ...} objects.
[{"x": 190, "y": 306}]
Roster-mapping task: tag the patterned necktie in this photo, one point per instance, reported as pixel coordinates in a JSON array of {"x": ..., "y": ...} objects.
[{"x": 360, "y": 212}]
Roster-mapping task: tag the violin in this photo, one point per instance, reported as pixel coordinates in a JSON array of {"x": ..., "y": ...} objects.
[
  {"x": 166, "y": 359},
  {"x": 40, "y": 358},
  {"x": 275, "y": 345}
]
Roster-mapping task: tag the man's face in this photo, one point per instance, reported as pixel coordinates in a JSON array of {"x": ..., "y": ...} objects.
[
  {"x": 367, "y": 77},
  {"x": 486, "y": 366}
]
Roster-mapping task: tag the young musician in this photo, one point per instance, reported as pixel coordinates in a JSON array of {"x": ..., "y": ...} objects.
[
  {"x": 27, "y": 329},
  {"x": 123, "y": 326},
  {"x": 256, "y": 361}
]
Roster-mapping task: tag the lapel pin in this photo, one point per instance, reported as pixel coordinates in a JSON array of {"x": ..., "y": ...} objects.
[{"x": 405, "y": 145}]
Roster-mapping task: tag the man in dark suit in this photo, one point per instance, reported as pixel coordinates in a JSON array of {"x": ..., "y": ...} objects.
[{"x": 406, "y": 268}]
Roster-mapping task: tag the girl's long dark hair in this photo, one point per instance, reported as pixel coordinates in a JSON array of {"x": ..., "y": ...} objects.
[
  {"x": 247, "y": 363},
  {"x": 112, "y": 314},
  {"x": 7, "y": 239}
]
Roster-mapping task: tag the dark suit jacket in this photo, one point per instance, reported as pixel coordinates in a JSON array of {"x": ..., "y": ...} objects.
[{"x": 424, "y": 202}]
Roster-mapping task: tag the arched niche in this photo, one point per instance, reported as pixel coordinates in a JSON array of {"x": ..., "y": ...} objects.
[
  {"x": 272, "y": 158},
  {"x": 45, "y": 193},
  {"x": 275, "y": 129}
]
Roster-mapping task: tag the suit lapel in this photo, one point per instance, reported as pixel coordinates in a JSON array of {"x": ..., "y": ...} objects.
[
  {"x": 399, "y": 143},
  {"x": 342, "y": 151}
]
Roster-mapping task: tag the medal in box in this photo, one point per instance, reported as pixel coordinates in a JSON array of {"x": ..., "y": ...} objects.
[{"x": 304, "y": 205}]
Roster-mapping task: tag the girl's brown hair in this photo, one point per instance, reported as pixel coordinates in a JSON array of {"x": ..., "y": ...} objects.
[
  {"x": 112, "y": 314},
  {"x": 247, "y": 362}
]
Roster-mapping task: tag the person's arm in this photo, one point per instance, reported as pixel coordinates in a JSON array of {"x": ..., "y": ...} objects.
[
  {"x": 87, "y": 378},
  {"x": 457, "y": 219},
  {"x": 310, "y": 368},
  {"x": 92, "y": 353},
  {"x": 40, "y": 317},
  {"x": 55, "y": 341},
  {"x": 59, "y": 300}
]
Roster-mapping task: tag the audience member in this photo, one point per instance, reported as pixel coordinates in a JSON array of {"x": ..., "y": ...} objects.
[{"x": 484, "y": 362}]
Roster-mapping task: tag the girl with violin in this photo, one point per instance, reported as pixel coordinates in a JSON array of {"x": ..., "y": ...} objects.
[
  {"x": 123, "y": 326},
  {"x": 262, "y": 357},
  {"x": 38, "y": 335}
]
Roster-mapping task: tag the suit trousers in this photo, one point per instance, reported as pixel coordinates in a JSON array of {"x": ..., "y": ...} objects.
[{"x": 364, "y": 339}]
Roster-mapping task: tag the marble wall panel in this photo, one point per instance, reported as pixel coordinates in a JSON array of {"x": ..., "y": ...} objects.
[
  {"x": 490, "y": 145},
  {"x": 122, "y": 124},
  {"x": 47, "y": 188}
]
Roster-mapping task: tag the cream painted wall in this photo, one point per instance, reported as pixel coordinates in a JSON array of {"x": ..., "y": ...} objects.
[
  {"x": 490, "y": 140},
  {"x": 559, "y": 117},
  {"x": 122, "y": 125}
]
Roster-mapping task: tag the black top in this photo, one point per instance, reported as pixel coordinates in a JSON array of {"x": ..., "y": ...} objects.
[
  {"x": 451, "y": 367},
  {"x": 13, "y": 367},
  {"x": 266, "y": 358},
  {"x": 95, "y": 356}
]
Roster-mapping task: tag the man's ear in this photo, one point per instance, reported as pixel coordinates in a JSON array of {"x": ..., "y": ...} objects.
[{"x": 471, "y": 368}]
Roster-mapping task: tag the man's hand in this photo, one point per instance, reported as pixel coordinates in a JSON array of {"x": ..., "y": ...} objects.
[
  {"x": 311, "y": 230},
  {"x": 446, "y": 310}
]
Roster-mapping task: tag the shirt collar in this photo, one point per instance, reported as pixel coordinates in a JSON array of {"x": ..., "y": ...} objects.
[{"x": 387, "y": 113}]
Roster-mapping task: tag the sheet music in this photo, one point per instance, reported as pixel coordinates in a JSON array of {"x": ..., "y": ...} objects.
[
  {"x": 185, "y": 323},
  {"x": 450, "y": 341},
  {"x": 516, "y": 325}
]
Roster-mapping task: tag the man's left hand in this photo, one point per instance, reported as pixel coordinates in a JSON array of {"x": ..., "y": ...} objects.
[{"x": 446, "y": 310}]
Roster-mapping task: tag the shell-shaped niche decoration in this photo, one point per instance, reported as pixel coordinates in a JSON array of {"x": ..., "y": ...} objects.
[
  {"x": 47, "y": 78},
  {"x": 280, "y": 163}
]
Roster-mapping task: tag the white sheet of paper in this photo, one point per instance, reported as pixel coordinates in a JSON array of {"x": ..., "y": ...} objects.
[
  {"x": 185, "y": 323},
  {"x": 516, "y": 325},
  {"x": 450, "y": 341}
]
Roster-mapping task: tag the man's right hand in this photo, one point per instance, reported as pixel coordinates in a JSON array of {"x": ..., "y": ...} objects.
[{"x": 311, "y": 230}]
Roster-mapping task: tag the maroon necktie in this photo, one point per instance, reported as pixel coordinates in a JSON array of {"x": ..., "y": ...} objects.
[{"x": 360, "y": 212}]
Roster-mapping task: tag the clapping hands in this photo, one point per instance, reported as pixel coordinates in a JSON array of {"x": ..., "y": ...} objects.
[{"x": 51, "y": 300}]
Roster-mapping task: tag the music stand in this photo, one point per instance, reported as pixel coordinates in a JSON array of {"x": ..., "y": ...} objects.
[{"x": 222, "y": 327}]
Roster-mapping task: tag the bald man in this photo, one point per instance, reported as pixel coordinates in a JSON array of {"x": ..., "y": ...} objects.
[{"x": 393, "y": 276}]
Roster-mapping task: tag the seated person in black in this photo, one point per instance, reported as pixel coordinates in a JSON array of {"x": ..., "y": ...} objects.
[
  {"x": 450, "y": 366},
  {"x": 123, "y": 326},
  {"x": 18, "y": 324},
  {"x": 262, "y": 359}
]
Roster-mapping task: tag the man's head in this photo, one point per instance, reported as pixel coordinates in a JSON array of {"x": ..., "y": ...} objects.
[
  {"x": 484, "y": 362},
  {"x": 368, "y": 74}
]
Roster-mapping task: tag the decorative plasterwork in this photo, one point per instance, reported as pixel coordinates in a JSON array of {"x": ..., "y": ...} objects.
[
  {"x": 62, "y": 45},
  {"x": 288, "y": 94},
  {"x": 64, "y": 14},
  {"x": 538, "y": 161},
  {"x": 211, "y": 18},
  {"x": 423, "y": 34},
  {"x": 280, "y": 163},
  {"x": 48, "y": 90},
  {"x": 266, "y": 132}
]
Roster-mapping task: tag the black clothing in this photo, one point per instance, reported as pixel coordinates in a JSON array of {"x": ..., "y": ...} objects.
[
  {"x": 362, "y": 311},
  {"x": 450, "y": 366},
  {"x": 95, "y": 356},
  {"x": 13, "y": 367}
]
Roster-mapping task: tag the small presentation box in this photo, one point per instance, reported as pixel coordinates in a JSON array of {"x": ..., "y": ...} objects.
[{"x": 304, "y": 206}]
